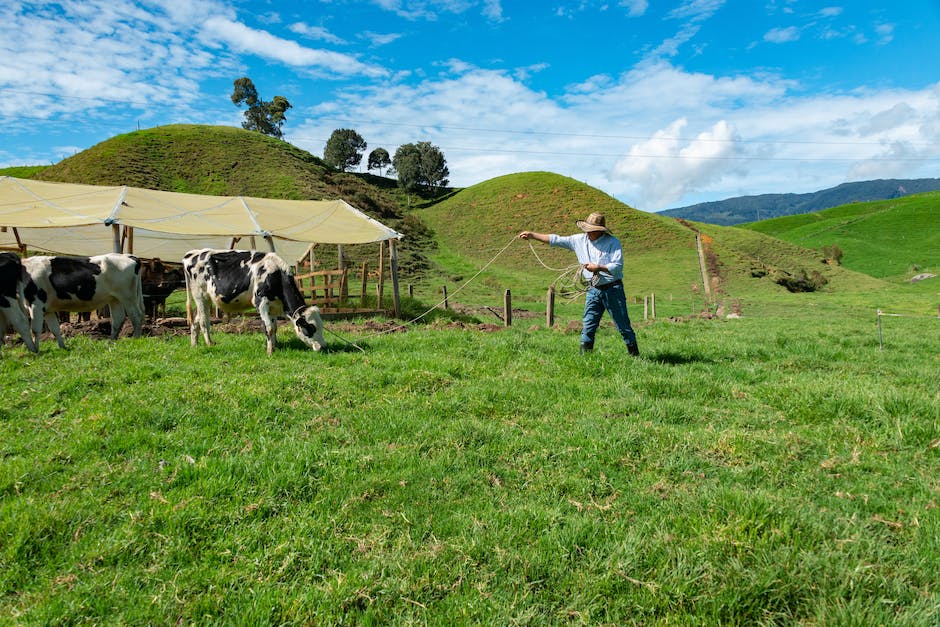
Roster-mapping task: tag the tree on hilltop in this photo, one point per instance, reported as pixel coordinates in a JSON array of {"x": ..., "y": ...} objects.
[
  {"x": 420, "y": 164},
  {"x": 261, "y": 116},
  {"x": 378, "y": 159},
  {"x": 344, "y": 149}
]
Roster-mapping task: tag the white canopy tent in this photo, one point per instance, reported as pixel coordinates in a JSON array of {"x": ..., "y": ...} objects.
[{"x": 72, "y": 219}]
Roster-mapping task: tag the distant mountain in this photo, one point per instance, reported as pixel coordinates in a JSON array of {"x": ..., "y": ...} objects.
[{"x": 754, "y": 208}]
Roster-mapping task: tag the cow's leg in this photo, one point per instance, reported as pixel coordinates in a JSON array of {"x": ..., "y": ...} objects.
[
  {"x": 268, "y": 322},
  {"x": 20, "y": 324},
  {"x": 52, "y": 321},
  {"x": 200, "y": 322},
  {"x": 118, "y": 315},
  {"x": 135, "y": 311}
]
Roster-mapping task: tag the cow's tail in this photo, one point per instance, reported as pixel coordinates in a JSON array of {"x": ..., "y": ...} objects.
[{"x": 189, "y": 306}]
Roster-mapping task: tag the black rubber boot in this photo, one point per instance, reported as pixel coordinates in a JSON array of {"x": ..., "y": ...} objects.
[
  {"x": 587, "y": 347},
  {"x": 633, "y": 349}
]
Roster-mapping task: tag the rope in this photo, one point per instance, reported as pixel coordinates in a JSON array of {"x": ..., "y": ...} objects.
[
  {"x": 436, "y": 305},
  {"x": 570, "y": 283}
]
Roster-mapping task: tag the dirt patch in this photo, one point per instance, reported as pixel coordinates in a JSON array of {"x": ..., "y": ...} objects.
[{"x": 100, "y": 329}]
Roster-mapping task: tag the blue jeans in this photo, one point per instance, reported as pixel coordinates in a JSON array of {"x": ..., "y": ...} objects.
[{"x": 613, "y": 300}]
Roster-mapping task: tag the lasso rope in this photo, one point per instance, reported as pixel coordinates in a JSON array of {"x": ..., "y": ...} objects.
[{"x": 571, "y": 284}]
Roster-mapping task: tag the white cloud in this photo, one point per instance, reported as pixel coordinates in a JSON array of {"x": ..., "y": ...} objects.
[
  {"x": 782, "y": 35},
  {"x": 316, "y": 32},
  {"x": 635, "y": 8},
  {"x": 716, "y": 135},
  {"x": 263, "y": 44},
  {"x": 697, "y": 10},
  {"x": 380, "y": 39},
  {"x": 430, "y": 9},
  {"x": 885, "y": 33},
  {"x": 665, "y": 168}
]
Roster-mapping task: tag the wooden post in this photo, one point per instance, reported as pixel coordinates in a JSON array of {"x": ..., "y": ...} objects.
[
  {"x": 653, "y": 305},
  {"x": 365, "y": 284},
  {"x": 507, "y": 309},
  {"x": 130, "y": 239},
  {"x": 646, "y": 307},
  {"x": 411, "y": 291},
  {"x": 343, "y": 288},
  {"x": 446, "y": 305},
  {"x": 116, "y": 234},
  {"x": 381, "y": 287},
  {"x": 550, "y": 308},
  {"x": 393, "y": 263}
]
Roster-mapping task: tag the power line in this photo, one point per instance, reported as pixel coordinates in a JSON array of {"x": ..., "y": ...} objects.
[{"x": 607, "y": 136}]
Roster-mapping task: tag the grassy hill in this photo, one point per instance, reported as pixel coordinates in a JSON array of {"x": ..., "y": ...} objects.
[
  {"x": 218, "y": 160},
  {"x": 891, "y": 239},
  {"x": 475, "y": 224},
  {"x": 229, "y": 161}
]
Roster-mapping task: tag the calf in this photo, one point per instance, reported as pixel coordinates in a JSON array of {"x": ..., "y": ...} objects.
[
  {"x": 84, "y": 284},
  {"x": 13, "y": 280},
  {"x": 236, "y": 280}
]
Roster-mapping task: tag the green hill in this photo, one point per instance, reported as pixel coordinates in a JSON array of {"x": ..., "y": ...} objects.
[
  {"x": 229, "y": 161},
  {"x": 475, "y": 224},
  {"x": 217, "y": 160},
  {"x": 890, "y": 239}
]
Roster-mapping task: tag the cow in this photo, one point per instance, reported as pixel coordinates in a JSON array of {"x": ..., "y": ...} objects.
[
  {"x": 159, "y": 279},
  {"x": 237, "y": 280},
  {"x": 84, "y": 284},
  {"x": 13, "y": 280}
]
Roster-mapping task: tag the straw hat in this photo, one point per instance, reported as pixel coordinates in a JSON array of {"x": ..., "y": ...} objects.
[{"x": 594, "y": 222}]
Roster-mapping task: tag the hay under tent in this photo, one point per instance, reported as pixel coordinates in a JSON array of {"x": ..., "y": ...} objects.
[{"x": 85, "y": 220}]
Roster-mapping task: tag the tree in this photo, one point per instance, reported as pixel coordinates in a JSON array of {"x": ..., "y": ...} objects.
[
  {"x": 420, "y": 164},
  {"x": 378, "y": 159},
  {"x": 344, "y": 149},
  {"x": 261, "y": 116},
  {"x": 434, "y": 170},
  {"x": 407, "y": 164}
]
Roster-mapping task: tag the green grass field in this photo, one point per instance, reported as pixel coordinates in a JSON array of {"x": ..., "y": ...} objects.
[
  {"x": 753, "y": 471},
  {"x": 891, "y": 239},
  {"x": 777, "y": 469}
]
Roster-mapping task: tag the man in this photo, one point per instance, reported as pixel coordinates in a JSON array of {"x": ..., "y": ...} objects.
[{"x": 601, "y": 258}]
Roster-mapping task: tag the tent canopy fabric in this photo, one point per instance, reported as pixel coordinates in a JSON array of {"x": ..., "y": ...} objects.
[{"x": 72, "y": 219}]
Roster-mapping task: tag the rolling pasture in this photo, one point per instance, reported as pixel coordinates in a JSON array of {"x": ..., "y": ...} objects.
[
  {"x": 752, "y": 471},
  {"x": 780, "y": 468}
]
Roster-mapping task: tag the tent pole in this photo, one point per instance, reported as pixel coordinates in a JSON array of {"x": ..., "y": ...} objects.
[
  {"x": 393, "y": 256},
  {"x": 270, "y": 241},
  {"x": 116, "y": 235},
  {"x": 19, "y": 242}
]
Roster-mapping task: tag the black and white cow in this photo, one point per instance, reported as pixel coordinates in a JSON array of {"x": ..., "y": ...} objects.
[
  {"x": 237, "y": 280},
  {"x": 13, "y": 280},
  {"x": 84, "y": 284}
]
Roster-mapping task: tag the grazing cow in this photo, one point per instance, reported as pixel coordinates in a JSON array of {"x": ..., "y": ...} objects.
[
  {"x": 13, "y": 280},
  {"x": 236, "y": 280},
  {"x": 159, "y": 280},
  {"x": 84, "y": 284}
]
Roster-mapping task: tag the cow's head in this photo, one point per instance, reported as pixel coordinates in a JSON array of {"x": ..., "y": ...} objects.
[{"x": 308, "y": 325}]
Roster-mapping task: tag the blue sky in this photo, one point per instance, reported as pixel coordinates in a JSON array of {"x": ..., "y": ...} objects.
[{"x": 660, "y": 103}]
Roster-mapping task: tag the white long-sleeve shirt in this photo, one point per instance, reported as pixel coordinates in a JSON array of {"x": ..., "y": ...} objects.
[{"x": 604, "y": 251}]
